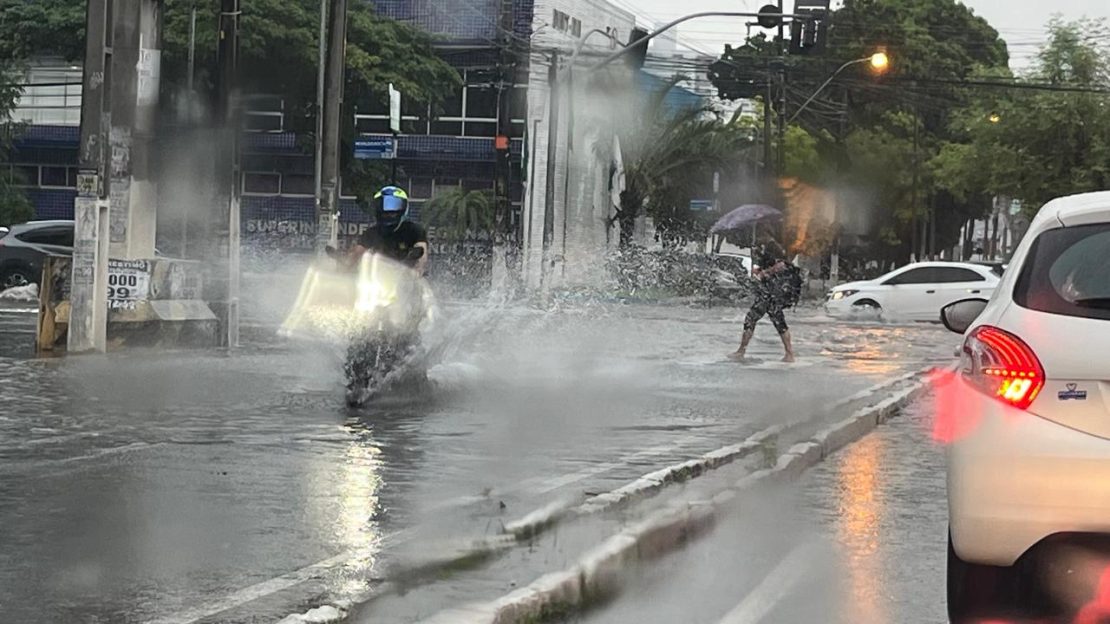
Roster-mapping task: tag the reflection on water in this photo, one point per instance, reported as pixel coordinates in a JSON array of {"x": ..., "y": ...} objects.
[
  {"x": 356, "y": 530},
  {"x": 861, "y": 507}
]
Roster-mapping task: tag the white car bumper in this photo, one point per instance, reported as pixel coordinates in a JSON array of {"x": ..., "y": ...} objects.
[
  {"x": 1016, "y": 478},
  {"x": 839, "y": 308}
]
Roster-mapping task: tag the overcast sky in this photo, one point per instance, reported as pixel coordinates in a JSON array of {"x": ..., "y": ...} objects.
[{"x": 1020, "y": 22}]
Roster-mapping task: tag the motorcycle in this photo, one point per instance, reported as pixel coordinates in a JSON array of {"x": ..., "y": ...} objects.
[
  {"x": 386, "y": 347},
  {"x": 380, "y": 309}
]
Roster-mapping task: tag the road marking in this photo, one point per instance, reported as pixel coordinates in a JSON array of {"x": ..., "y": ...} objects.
[
  {"x": 774, "y": 587},
  {"x": 255, "y": 592},
  {"x": 57, "y": 465}
]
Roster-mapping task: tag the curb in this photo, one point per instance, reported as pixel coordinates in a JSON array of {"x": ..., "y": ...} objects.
[{"x": 597, "y": 574}]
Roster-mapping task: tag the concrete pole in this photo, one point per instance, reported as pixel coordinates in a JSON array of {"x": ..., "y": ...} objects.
[
  {"x": 229, "y": 91},
  {"x": 88, "y": 317},
  {"x": 327, "y": 217},
  {"x": 321, "y": 78},
  {"x": 553, "y": 112},
  {"x": 136, "y": 71}
]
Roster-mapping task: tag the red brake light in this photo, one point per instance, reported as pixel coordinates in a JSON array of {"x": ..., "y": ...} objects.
[{"x": 1002, "y": 365}]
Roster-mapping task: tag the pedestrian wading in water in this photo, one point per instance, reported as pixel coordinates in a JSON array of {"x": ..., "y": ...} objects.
[{"x": 774, "y": 291}]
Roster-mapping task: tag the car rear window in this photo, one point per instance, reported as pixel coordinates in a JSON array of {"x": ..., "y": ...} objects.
[{"x": 1066, "y": 273}]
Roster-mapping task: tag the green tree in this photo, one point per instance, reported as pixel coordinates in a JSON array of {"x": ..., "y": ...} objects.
[
  {"x": 14, "y": 206},
  {"x": 1036, "y": 144},
  {"x": 864, "y": 124},
  {"x": 459, "y": 211},
  {"x": 278, "y": 50}
]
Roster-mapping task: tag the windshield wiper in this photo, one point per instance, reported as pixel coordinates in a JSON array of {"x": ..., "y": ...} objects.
[{"x": 1093, "y": 302}]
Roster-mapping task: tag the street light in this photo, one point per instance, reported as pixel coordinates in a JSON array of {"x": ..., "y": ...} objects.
[
  {"x": 879, "y": 62},
  {"x": 994, "y": 118}
]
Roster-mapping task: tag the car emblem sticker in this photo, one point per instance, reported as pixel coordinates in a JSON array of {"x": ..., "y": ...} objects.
[{"x": 1072, "y": 394}]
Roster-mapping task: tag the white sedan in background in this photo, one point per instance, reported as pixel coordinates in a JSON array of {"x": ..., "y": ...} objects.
[{"x": 915, "y": 292}]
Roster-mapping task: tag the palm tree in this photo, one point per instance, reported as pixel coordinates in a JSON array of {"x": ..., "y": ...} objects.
[
  {"x": 667, "y": 153},
  {"x": 459, "y": 211}
]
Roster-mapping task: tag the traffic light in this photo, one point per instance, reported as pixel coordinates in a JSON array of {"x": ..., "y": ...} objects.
[
  {"x": 737, "y": 76},
  {"x": 807, "y": 35},
  {"x": 637, "y": 54}
]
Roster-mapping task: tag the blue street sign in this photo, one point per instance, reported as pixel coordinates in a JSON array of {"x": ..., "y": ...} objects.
[
  {"x": 375, "y": 148},
  {"x": 701, "y": 205}
]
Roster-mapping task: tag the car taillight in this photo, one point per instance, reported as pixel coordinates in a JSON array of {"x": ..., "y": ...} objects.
[{"x": 1002, "y": 365}]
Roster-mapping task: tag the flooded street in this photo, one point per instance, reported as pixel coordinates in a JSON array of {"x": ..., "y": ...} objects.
[{"x": 189, "y": 487}]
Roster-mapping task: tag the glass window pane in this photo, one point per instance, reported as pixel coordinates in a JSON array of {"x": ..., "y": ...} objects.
[
  {"x": 449, "y": 128},
  {"x": 452, "y": 106},
  {"x": 1065, "y": 273},
  {"x": 420, "y": 188},
  {"x": 26, "y": 175},
  {"x": 518, "y": 107},
  {"x": 297, "y": 184},
  {"x": 54, "y": 176},
  {"x": 364, "y": 125},
  {"x": 481, "y": 103},
  {"x": 481, "y": 129},
  {"x": 261, "y": 183}
]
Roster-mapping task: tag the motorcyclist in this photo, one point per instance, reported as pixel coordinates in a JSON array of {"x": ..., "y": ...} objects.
[{"x": 392, "y": 234}]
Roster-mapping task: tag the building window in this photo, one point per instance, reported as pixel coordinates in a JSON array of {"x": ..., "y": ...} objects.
[
  {"x": 576, "y": 27},
  {"x": 25, "y": 175},
  {"x": 298, "y": 184},
  {"x": 259, "y": 183},
  {"x": 481, "y": 103},
  {"x": 54, "y": 176}
]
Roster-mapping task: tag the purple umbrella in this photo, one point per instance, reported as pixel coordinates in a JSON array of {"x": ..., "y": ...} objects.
[{"x": 743, "y": 217}]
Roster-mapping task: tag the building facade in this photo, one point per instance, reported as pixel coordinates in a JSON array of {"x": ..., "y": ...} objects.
[{"x": 559, "y": 190}]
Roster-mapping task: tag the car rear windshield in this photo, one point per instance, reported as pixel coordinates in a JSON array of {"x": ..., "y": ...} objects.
[{"x": 1067, "y": 274}]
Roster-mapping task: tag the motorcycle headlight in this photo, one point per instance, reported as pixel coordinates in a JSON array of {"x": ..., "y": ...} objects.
[{"x": 843, "y": 294}]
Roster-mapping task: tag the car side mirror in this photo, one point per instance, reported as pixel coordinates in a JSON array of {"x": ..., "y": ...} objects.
[
  {"x": 958, "y": 316},
  {"x": 416, "y": 253}
]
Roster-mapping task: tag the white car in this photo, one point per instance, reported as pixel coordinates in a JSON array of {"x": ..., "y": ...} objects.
[
  {"x": 1027, "y": 415},
  {"x": 915, "y": 292}
]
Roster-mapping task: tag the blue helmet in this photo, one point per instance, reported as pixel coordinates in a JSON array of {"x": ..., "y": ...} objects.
[{"x": 391, "y": 206}]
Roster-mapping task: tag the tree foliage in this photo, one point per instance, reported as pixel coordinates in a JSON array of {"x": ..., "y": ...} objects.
[
  {"x": 1034, "y": 145},
  {"x": 669, "y": 156},
  {"x": 859, "y": 132},
  {"x": 278, "y": 48},
  {"x": 459, "y": 211}
]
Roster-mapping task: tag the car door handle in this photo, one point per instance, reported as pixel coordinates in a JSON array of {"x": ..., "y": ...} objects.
[{"x": 930, "y": 292}]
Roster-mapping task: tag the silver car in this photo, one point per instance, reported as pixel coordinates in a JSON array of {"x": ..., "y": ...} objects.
[{"x": 23, "y": 247}]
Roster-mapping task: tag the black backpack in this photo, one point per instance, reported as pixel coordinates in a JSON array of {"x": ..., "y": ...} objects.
[{"x": 792, "y": 282}]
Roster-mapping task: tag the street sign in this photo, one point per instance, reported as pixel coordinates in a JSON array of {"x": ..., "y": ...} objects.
[
  {"x": 394, "y": 110},
  {"x": 701, "y": 205},
  {"x": 376, "y": 148}
]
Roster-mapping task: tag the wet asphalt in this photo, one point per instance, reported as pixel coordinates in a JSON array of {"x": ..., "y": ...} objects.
[{"x": 212, "y": 487}]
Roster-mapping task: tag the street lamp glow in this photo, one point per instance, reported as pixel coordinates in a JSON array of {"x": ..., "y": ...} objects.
[
  {"x": 880, "y": 61},
  {"x": 995, "y": 118}
]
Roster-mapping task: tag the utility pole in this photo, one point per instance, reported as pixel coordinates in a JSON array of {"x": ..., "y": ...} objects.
[
  {"x": 321, "y": 78},
  {"x": 768, "y": 111},
  {"x": 136, "y": 71},
  {"x": 782, "y": 46},
  {"x": 228, "y": 50},
  {"x": 506, "y": 71},
  {"x": 552, "y": 151},
  {"x": 327, "y": 217},
  {"x": 192, "y": 49},
  {"x": 913, "y": 194},
  {"x": 88, "y": 318},
  {"x": 506, "y": 79}
]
